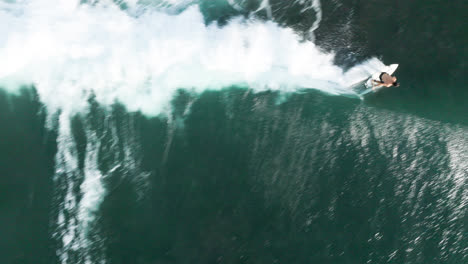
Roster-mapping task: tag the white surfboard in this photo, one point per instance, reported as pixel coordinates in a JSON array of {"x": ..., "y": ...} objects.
[
  {"x": 389, "y": 69},
  {"x": 365, "y": 86}
]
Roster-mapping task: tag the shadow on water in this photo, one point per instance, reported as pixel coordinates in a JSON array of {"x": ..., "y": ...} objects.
[{"x": 404, "y": 100}]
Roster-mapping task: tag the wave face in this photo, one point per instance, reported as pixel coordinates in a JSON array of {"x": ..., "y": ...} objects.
[{"x": 217, "y": 131}]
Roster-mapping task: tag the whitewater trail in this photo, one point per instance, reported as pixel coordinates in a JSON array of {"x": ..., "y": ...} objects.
[{"x": 70, "y": 51}]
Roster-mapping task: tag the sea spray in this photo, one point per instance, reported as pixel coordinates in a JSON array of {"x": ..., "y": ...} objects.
[{"x": 74, "y": 51}]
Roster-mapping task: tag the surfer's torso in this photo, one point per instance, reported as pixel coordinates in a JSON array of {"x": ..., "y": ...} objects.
[{"x": 385, "y": 78}]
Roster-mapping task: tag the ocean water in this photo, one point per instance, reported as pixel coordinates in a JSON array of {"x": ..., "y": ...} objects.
[{"x": 224, "y": 131}]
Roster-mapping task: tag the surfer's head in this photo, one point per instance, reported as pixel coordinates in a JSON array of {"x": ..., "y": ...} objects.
[{"x": 396, "y": 84}]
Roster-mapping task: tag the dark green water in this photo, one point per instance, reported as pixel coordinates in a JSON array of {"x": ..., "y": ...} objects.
[{"x": 234, "y": 176}]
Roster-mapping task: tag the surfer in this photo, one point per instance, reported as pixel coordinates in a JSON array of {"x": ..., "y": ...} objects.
[{"x": 385, "y": 80}]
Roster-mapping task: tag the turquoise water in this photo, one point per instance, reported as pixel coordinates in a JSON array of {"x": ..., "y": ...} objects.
[{"x": 222, "y": 132}]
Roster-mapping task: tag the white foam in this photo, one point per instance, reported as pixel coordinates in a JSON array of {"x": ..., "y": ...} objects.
[
  {"x": 66, "y": 166},
  {"x": 69, "y": 51},
  {"x": 92, "y": 186},
  {"x": 315, "y": 4},
  {"x": 265, "y": 5}
]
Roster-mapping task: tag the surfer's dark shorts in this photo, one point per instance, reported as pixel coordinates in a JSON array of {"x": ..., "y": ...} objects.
[{"x": 380, "y": 77}]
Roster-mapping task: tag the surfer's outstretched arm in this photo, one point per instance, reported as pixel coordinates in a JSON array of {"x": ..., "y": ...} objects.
[{"x": 376, "y": 84}]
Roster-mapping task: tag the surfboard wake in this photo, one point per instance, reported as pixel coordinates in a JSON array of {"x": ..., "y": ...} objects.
[{"x": 72, "y": 51}]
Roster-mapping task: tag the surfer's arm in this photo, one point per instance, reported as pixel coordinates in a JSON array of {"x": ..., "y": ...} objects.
[{"x": 376, "y": 84}]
